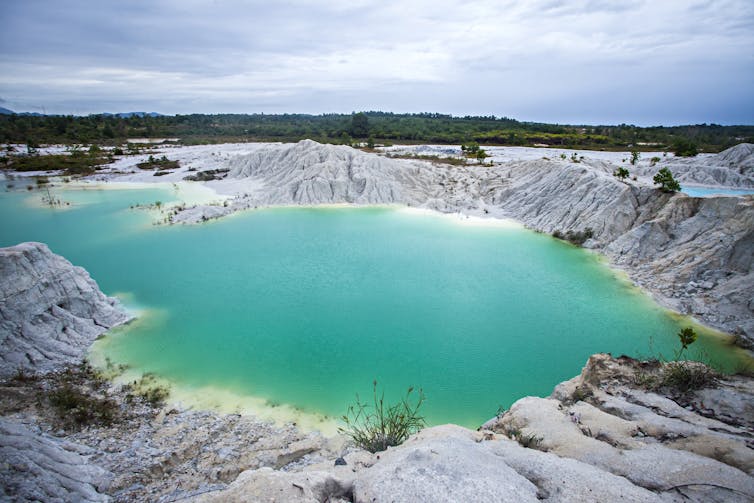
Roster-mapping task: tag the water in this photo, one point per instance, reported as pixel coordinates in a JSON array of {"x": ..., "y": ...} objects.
[
  {"x": 714, "y": 191},
  {"x": 308, "y": 306}
]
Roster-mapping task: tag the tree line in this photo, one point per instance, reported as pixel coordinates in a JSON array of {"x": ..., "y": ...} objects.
[{"x": 379, "y": 127}]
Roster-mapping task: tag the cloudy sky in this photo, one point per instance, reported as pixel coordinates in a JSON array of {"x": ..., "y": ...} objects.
[{"x": 578, "y": 61}]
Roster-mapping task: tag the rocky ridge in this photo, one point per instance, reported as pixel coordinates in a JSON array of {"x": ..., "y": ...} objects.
[
  {"x": 733, "y": 167},
  {"x": 50, "y": 311},
  {"x": 693, "y": 254}
]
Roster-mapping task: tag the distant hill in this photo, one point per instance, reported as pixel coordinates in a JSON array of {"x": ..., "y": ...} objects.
[
  {"x": 126, "y": 115},
  {"x": 5, "y": 111}
]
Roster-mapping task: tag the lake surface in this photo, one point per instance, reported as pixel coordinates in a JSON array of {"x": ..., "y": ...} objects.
[
  {"x": 714, "y": 191},
  {"x": 307, "y": 307}
]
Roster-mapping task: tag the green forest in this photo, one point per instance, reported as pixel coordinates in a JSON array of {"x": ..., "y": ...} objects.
[{"x": 372, "y": 127}]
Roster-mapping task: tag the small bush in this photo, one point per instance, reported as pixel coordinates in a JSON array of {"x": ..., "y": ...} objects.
[
  {"x": 576, "y": 237},
  {"x": 687, "y": 376},
  {"x": 148, "y": 389},
  {"x": 163, "y": 163},
  {"x": 581, "y": 393},
  {"x": 77, "y": 409},
  {"x": 664, "y": 178},
  {"x": 685, "y": 148},
  {"x": 385, "y": 425},
  {"x": 207, "y": 175},
  {"x": 23, "y": 376},
  {"x": 621, "y": 173},
  {"x": 530, "y": 441}
]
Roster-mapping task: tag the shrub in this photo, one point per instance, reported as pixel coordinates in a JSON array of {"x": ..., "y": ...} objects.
[
  {"x": 470, "y": 149},
  {"x": 76, "y": 409},
  {"x": 687, "y": 376},
  {"x": 635, "y": 157},
  {"x": 687, "y": 337},
  {"x": 162, "y": 163},
  {"x": 531, "y": 441},
  {"x": 684, "y": 148},
  {"x": 385, "y": 425},
  {"x": 150, "y": 390},
  {"x": 207, "y": 175},
  {"x": 576, "y": 237},
  {"x": 621, "y": 173},
  {"x": 664, "y": 178}
]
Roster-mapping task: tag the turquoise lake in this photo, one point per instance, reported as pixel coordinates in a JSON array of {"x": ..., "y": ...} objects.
[
  {"x": 307, "y": 306},
  {"x": 709, "y": 191}
]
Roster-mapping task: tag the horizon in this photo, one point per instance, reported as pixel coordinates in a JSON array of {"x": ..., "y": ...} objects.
[
  {"x": 584, "y": 63},
  {"x": 367, "y": 112}
]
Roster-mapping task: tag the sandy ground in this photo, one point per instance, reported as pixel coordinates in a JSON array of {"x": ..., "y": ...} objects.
[{"x": 506, "y": 154}]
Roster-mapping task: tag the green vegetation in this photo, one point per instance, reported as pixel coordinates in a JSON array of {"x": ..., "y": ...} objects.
[
  {"x": 685, "y": 376},
  {"x": 385, "y": 425},
  {"x": 382, "y": 127},
  {"x": 162, "y": 163},
  {"x": 681, "y": 375},
  {"x": 472, "y": 150},
  {"x": 621, "y": 173},
  {"x": 664, "y": 178},
  {"x": 207, "y": 175},
  {"x": 530, "y": 441},
  {"x": 77, "y": 162},
  {"x": 150, "y": 390},
  {"x": 81, "y": 398},
  {"x": 687, "y": 336},
  {"x": 576, "y": 237},
  {"x": 435, "y": 159},
  {"x": 635, "y": 155},
  {"x": 76, "y": 408},
  {"x": 359, "y": 125},
  {"x": 684, "y": 147}
]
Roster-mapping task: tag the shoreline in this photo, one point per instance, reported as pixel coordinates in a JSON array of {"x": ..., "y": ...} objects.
[{"x": 200, "y": 193}]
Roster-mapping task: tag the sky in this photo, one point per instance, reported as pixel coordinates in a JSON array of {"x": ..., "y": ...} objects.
[{"x": 660, "y": 62}]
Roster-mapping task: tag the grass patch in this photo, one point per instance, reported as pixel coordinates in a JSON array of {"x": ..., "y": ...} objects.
[
  {"x": 76, "y": 408},
  {"x": 685, "y": 376},
  {"x": 148, "y": 389},
  {"x": 379, "y": 426},
  {"x": 77, "y": 163}
]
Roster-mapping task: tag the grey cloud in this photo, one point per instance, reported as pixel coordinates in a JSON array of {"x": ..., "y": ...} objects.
[{"x": 630, "y": 61}]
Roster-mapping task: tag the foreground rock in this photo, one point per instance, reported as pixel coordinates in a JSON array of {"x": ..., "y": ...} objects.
[
  {"x": 141, "y": 452},
  {"x": 50, "y": 311},
  {"x": 38, "y": 467},
  {"x": 614, "y": 433},
  {"x": 599, "y": 437}
]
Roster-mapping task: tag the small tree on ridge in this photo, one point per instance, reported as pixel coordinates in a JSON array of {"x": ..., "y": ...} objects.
[{"x": 664, "y": 178}]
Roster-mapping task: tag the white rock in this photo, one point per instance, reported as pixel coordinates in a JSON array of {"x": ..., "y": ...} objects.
[
  {"x": 37, "y": 467},
  {"x": 50, "y": 311}
]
